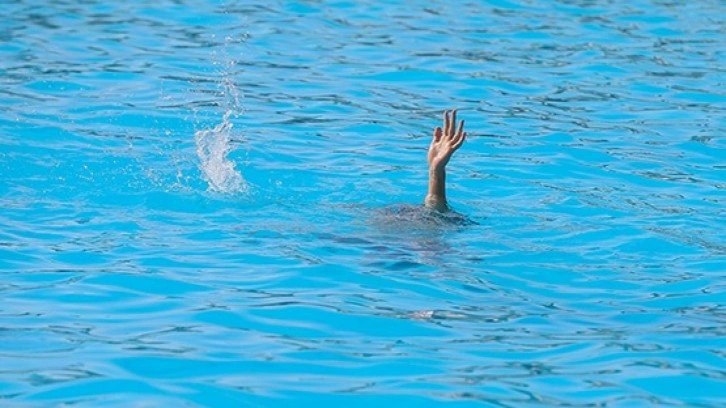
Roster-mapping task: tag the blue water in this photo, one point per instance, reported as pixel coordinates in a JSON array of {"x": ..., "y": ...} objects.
[{"x": 201, "y": 204}]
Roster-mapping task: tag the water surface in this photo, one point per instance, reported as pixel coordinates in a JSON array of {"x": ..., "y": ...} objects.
[{"x": 201, "y": 204}]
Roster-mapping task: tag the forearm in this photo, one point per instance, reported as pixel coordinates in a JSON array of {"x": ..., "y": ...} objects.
[{"x": 436, "y": 197}]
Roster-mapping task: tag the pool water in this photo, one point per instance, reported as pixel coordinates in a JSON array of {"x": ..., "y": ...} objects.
[{"x": 212, "y": 204}]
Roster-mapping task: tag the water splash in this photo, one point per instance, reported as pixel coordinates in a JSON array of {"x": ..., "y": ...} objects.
[
  {"x": 218, "y": 170},
  {"x": 213, "y": 145}
]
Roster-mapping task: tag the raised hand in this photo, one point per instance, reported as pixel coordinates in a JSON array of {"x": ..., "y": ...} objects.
[{"x": 445, "y": 141}]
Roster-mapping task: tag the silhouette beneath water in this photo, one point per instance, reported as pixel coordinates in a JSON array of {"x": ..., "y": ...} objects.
[{"x": 420, "y": 216}]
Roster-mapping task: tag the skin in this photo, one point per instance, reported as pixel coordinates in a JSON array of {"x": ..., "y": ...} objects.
[{"x": 445, "y": 142}]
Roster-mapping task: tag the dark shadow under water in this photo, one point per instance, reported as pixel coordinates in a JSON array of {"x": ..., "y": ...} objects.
[
  {"x": 420, "y": 216},
  {"x": 403, "y": 232},
  {"x": 399, "y": 230}
]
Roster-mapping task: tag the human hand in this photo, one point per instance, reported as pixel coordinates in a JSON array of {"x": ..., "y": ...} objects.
[{"x": 445, "y": 142}]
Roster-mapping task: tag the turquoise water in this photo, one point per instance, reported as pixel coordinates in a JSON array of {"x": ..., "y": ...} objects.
[{"x": 199, "y": 204}]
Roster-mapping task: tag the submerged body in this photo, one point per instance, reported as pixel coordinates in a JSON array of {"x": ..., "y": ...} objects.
[{"x": 422, "y": 216}]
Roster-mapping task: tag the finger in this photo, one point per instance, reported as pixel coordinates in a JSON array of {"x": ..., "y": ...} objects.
[
  {"x": 452, "y": 124},
  {"x": 459, "y": 134},
  {"x": 437, "y": 134},
  {"x": 446, "y": 120},
  {"x": 460, "y": 141}
]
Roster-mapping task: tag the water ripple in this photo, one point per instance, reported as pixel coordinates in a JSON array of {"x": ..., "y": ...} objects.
[{"x": 278, "y": 257}]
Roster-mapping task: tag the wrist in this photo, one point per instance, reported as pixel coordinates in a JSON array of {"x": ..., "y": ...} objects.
[{"x": 437, "y": 169}]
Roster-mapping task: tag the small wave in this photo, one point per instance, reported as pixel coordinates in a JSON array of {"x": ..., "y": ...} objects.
[{"x": 218, "y": 171}]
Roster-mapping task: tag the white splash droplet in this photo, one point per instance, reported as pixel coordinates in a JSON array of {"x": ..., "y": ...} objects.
[{"x": 218, "y": 171}]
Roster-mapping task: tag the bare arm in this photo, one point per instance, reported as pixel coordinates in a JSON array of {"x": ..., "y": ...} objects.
[{"x": 445, "y": 142}]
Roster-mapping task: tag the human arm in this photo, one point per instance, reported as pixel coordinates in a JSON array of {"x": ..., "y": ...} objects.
[{"x": 443, "y": 145}]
